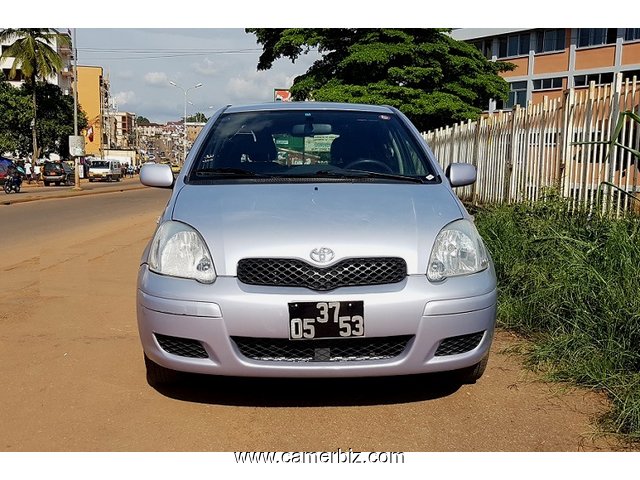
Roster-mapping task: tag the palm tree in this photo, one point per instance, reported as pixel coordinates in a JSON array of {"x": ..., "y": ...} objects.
[{"x": 34, "y": 54}]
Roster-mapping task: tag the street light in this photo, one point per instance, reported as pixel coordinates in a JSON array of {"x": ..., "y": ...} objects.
[{"x": 184, "y": 157}]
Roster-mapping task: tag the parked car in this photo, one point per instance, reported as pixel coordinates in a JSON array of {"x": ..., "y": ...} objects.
[
  {"x": 314, "y": 240},
  {"x": 58, "y": 173},
  {"x": 106, "y": 169}
]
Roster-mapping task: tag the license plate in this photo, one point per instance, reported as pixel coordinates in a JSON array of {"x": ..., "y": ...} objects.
[{"x": 309, "y": 320}]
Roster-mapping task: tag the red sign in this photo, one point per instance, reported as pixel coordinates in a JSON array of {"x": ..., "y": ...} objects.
[{"x": 281, "y": 95}]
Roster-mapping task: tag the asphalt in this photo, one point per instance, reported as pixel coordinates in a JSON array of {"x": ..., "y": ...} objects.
[{"x": 33, "y": 192}]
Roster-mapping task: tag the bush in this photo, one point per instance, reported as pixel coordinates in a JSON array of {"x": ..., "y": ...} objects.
[{"x": 570, "y": 283}]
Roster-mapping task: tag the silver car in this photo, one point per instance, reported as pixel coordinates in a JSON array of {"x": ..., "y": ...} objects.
[{"x": 311, "y": 239}]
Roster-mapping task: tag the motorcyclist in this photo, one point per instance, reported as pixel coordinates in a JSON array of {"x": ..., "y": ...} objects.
[{"x": 14, "y": 177}]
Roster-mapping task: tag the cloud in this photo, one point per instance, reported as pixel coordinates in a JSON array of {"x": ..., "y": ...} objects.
[
  {"x": 207, "y": 68},
  {"x": 256, "y": 86},
  {"x": 124, "y": 98},
  {"x": 156, "y": 79}
]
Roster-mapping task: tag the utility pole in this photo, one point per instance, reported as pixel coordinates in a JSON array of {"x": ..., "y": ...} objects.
[
  {"x": 184, "y": 156},
  {"x": 76, "y": 184}
]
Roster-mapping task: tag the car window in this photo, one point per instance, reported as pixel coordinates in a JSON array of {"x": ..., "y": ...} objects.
[{"x": 310, "y": 143}]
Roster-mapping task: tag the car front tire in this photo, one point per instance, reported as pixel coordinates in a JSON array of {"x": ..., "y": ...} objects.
[
  {"x": 470, "y": 375},
  {"x": 158, "y": 375}
]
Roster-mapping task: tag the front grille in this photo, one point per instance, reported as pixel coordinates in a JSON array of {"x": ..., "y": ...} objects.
[
  {"x": 183, "y": 347},
  {"x": 461, "y": 344},
  {"x": 330, "y": 350},
  {"x": 282, "y": 272}
]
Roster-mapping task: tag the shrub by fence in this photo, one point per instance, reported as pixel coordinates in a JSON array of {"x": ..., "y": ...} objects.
[{"x": 523, "y": 152}]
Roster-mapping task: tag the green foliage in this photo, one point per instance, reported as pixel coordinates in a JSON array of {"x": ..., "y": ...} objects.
[
  {"x": 570, "y": 283},
  {"x": 55, "y": 122},
  {"x": 140, "y": 120},
  {"x": 425, "y": 73},
  {"x": 32, "y": 51},
  {"x": 198, "y": 117}
]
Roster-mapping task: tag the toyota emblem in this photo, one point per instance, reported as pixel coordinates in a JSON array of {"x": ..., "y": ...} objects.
[{"x": 322, "y": 255}]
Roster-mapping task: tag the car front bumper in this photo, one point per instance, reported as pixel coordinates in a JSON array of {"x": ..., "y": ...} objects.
[{"x": 214, "y": 317}]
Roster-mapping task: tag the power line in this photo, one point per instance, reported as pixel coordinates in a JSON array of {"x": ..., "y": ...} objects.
[{"x": 156, "y": 53}]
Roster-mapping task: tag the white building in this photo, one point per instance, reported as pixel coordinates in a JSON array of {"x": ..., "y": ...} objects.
[{"x": 63, "y": 79}]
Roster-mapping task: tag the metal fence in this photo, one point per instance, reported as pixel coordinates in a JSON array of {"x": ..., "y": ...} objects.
[{"x": 522, "y": 153}]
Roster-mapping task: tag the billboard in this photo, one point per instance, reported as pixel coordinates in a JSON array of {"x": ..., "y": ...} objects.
[{"x": 281, "y": 95}]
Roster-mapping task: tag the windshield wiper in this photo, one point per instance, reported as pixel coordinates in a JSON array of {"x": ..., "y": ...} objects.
[
  {"x": 227, "y": 172},
  {"x": 366, "y": 174}
]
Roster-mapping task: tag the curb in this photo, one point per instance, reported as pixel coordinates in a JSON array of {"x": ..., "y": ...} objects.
[{"x": 10, "y": 200}]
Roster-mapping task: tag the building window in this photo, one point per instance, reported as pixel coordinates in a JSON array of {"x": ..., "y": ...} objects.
[
  {"x": 589, "y": 37},
  {"x": 514, "y": 45},
  {"x": 598, "y": 78},
  {"x": 517, "y": 96},
  {"x": 7, "y": 75},
  {"x": 632, "y": 34},
  {"x": 550, "y": 40},
  {"x": 485, "y": 47},
  {"x": 547, "y": 83},
  {"x": 630, "y": 74}
]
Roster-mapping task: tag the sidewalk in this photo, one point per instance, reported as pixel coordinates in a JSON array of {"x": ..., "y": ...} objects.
[{"x": 33, "y": 192}]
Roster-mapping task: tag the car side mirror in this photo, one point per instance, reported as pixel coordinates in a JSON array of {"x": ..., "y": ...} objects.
[
  {"x": 156, "y": 175},
  {"x": 461, "y": 174}
]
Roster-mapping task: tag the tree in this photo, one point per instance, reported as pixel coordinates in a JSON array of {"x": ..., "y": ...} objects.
[
  {"x": 198, "y": 117},
  {"x": 15, "y": 120},
  {"x": 431, "y": 77},
  {"x": 54, "y": 126},
  {"x": 33, "y": 53},
  {"x": 140, "y": 120}
]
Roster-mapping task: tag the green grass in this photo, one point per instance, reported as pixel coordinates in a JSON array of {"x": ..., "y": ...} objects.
[{"x": 571, "y": 284}]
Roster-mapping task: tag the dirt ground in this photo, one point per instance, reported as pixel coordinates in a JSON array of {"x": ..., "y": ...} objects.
[{"x": 73, "y": 377}]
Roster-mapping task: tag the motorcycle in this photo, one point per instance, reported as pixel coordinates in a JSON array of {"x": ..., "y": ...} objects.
[{"x": 12, "y": 182}]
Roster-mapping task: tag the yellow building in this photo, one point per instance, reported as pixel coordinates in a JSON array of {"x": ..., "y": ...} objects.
[{"x": 92, "y": 94}]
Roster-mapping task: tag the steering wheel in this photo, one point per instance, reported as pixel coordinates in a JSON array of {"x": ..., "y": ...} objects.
[{"x": 363, "y": 162}]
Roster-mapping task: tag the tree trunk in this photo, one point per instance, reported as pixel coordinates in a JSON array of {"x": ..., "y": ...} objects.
[{"x": 36, "y": 153}]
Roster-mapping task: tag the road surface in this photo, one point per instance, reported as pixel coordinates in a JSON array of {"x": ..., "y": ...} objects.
[{"x": 73, "y": 377}]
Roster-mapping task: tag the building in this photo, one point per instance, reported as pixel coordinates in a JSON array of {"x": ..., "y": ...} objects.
[
  {"x": 93, "y": 97},
  {"x": 62, "y": 79},
  {"x": 193, "y": 130},
  {"x": 150, "y": 130},
  {"x": 551, "y": 60},
  {"x": 124, "y": 132}
]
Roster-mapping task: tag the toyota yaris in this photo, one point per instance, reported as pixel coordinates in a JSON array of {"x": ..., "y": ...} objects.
[{"x": 310, "y": 239}]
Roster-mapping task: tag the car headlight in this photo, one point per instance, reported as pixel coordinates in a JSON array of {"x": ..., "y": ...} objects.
[
  {"x": 178, "y": 250},
  {"x": 458, "y": 250}
]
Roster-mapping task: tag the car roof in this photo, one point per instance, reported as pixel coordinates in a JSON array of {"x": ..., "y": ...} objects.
[{"x": 284, "y": 106}]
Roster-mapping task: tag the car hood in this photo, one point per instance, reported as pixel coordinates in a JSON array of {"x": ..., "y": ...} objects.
[{"x": 354, "y": 220}]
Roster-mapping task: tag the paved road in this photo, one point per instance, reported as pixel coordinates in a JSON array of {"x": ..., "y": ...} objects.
[
  {"x": 73, "y": 377},
  {"x": 33, "y": 191}
]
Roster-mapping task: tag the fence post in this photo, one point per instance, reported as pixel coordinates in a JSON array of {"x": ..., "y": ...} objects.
[
  {"x": 476, "y": 141},
  {"x": 566, "y": 133},
  {"x": 615, "y": 114},
  {"x": 511, "y": 154}
]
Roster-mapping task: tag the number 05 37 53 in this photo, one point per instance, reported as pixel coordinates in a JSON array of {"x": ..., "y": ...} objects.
[{"x": 309, "y": 320}]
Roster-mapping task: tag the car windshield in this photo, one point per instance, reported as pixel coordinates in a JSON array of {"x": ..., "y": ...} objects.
[
  {"x": 328, "y": 145},
  {"x": 100, "y": 164}
]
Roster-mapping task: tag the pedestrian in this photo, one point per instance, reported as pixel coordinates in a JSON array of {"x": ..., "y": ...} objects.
[
  {"x": 36, "y": 172},
  {"x": 28, "y": 171}
]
